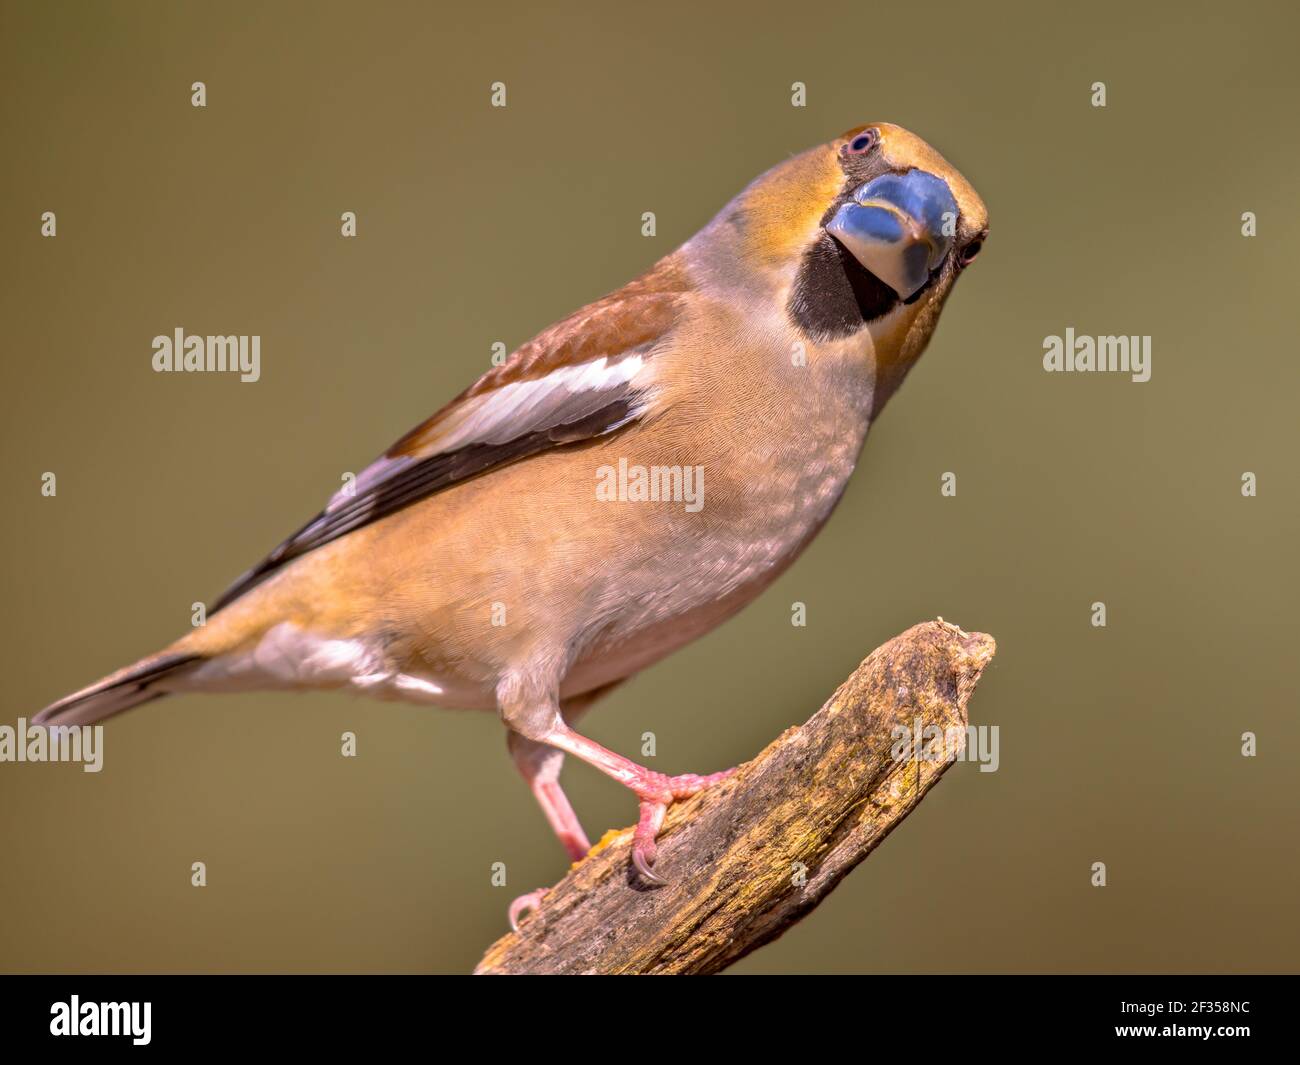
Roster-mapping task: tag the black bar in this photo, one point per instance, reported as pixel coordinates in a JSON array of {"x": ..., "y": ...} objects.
[{"x": 875, "y": 1013}]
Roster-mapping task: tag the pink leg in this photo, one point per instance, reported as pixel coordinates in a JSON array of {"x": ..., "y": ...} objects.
[
  {"x": 655, "y": 790},
  {"x": 540, "y": 767}
]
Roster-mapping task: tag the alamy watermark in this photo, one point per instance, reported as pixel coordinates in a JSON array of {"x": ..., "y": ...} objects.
[
  {"x": 179, "y": 353},
  {"x": 930, "y": 743},
  {"x": 631, "y": 483},
  {"x": 53, "y": 743},
  {"x": 75, "y": 1017},
  {"x": 1108, "y": 354}
]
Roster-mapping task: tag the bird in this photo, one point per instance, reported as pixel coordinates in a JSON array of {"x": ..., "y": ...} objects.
[{"x": 492, "y": 559}]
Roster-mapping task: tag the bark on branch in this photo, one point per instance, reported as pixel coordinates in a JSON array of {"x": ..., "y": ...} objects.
[{"x": 750, "y": 857}]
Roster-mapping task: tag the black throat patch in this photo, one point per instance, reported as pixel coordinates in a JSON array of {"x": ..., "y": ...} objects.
[{"x": 834, "y": 295}]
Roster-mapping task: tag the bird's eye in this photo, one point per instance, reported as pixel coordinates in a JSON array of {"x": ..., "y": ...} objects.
[
  {"x": 969, "y": 252},
  {"x": 862, "y": 143}
]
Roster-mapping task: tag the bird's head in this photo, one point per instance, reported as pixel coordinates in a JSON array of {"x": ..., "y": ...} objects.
[{"x": 868, "y": 233}]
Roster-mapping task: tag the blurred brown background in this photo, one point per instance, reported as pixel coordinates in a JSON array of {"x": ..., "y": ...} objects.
[{"x": 1119, "y": 745}]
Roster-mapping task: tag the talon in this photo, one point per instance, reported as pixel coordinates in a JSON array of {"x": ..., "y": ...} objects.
[
  {"x": 643, "y": 867},
  {"x": 525, "y": 904},
  {"x": 657, "y": 792}
]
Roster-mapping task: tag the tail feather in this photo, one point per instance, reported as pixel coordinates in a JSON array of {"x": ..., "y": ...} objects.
[{"x": 136, "y": 684}]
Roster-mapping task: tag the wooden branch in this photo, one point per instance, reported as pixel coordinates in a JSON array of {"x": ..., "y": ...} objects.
[{"x": 750, "y": 857}]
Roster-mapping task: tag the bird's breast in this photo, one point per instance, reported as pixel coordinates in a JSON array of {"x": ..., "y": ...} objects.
[{"x": 773, "y": 431}]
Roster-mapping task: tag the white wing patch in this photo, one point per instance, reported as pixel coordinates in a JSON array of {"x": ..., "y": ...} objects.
[{"x": 564, "y": 395}]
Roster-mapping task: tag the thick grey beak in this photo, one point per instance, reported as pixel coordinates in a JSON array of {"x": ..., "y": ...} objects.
[{"x": 898, "y": 226}]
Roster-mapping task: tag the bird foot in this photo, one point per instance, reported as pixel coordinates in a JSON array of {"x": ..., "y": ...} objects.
[
  {"x": 525, "y": 904},
  {"x": 657, "y": 792}
]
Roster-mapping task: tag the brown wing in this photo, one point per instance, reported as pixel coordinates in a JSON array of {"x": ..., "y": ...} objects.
[{"x": 572, "y": 382}]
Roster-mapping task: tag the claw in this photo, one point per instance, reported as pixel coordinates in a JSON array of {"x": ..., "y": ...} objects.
[
  {"x": 525, "y": 904},
  {"x": 643, "y": 867},
  {"x": 657, "y": 793}
]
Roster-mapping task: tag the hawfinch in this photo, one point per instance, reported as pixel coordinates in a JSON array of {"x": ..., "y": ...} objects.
[{"x": 630, "y": 478}]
